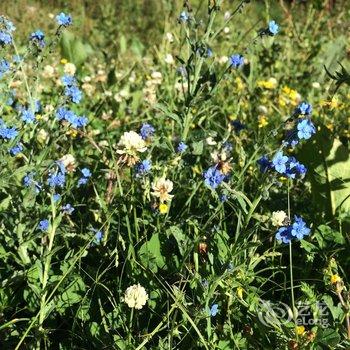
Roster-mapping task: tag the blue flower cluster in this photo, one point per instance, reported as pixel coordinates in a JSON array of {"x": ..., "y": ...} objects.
[
  {"x": 298, "y": 229},
  {"x": 4, "y": 67},
  {"x": 64, "y": 20},
  {"x": 44, "y": 225},
  {"x": 181, "y": 147},
  {"x": 58, "y": 177},
  {"x": 69, "y": 116},
  {"x": 236, "y": 61},
  {"x": 6, "y": 29},
  {"x": 38, "y": 38},
  {"x": 273, "y": 28},
  {"x": 16, "y": 149},
  {"x": 85, "y": 178},
  {"x": 7, "y": 133},
  {"x": 27, "y": 115},
  {"x": 71, "y": 89},
  {"x": 29, "y": 181},
  {"x": 213, "y": 177},
  {"x": 284, "y": 165},
  {"x": 143, "y": 168},
  {"x": 146, "y": 131},
  {"x": 68, "y": 209}
]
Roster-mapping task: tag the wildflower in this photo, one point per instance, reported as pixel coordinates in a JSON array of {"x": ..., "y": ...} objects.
[
  {"x": 181, "y": 147},
  {"x": 299, "y": 228},
  {"x": 214, "y": 310},
  {"x": 58, "y": 178},
  {"x": 162, "y": 188},
  {"x": 304, "y": 108},
  {"x": 163, "y": 208},
  {"x": 64, "y": 20},
  {"x": 213, "y": 177},
  {"x": 269, "y": 84},
  {"x": 262, "y": 121},
  {"x": 56, "y": 197},
  {"x": 169, "y": 59},
  {"x": 4, "y": 67},
  {"x": 68, "y": 80},
  {"x": 16, "y": 149},
  {"x": 85, "y": 178},
  {"x": 305, "y": 129},
  {"x": 183, "y": 17},
  {"x": 284, "y": 234},
  {"x": 223, "y": 198},
  {"x": 136, "y": 296},
  {"x": 38, "y": 38},
  {"x": 27, "y": 115},
  {"x": 238, "y": 126},
  {"x": 68, "y": 209},
  {"x": 335, "y": 279},
  {"x": 240, "y": 292},
  {"x": 73, "y": 93},
  {"x": 236, "y": 61},
  {"x": 279, "y": 162},
  {"x": 7, "y": 133},
  {"x": 70, "y": 68},
  {"x": 44, "y": 225},
  {"x": 279, "y": 218},
  {"x": 98, "y": 236},
  {"x": 130, "y": 145},
  {"x": 146, "y": 131},
  {"x": 300, "y": 330},
  {"x": 5, "y": 38},
  {"x": 143, "y": 168},
  {"x": 86, "y": 172},
  {"x": 68, "y": 162},
  {"x": 273, "y": 28}
]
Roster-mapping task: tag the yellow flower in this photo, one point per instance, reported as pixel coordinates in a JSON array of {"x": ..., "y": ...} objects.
[
  {"x": 269, "y": 84},
  {"x": 335, "y": 279},
  {"x": 240, "y": 292},
  {"x": 300, "y": 330},
  {"x": 239, "y": 83},
  {"x": 330, "y": 126},
  {"x": 64, "y": 61},
  {"x": 162, "y": 188},
  {"x": 72, "y": 132},
  {"x": 163, "y": 208},
  {"x": 195, "y": 169},
  {"x": 262, "y": 121}
]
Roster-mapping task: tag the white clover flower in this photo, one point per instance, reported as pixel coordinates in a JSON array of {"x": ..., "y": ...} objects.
[
  {"x": 136, "y": 296},
  {"x": 42, "y": 135},
  {"x": 223, "y": 59},
  {"x": 278, "y": 218},
  {"x": 169, "y": 59},
  {"x": 70, "y": 68},
  {"x": 68, "y": 161},
  {"x": 162, "y": 188},
  {"x": 226, "y": 30},
  {"x": 48, "y": 71},
  {"x": 130, "y": 144}
]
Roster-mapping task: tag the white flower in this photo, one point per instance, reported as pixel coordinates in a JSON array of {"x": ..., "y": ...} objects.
[
  {"x": 68, "y": 161},
  {"x": 42, "y": 135},
  {"x": 223, "y": 59},
  {"x": 169, "y": 59},
  {"x": 210, "y": 141},
  {"x": 136, "y": 296},
  {"x": 70, "y": 68},
  {"x": 48, "y": 71},
  {"x": 169, "y": 37},
  {"x": 130, "y": 144},
  {"x": 226, "y": 30},
  {"x": 278, "y": 218},
  {"x": 162, "y": 188}
]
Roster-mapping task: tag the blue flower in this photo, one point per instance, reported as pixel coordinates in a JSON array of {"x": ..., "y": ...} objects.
[
  {"x": 143, "y": 168},
  {"x": 279, "y": 162},
  {"x": 183, "y": 17},
  {"x": 38, "y": 37},
  {"x": 264, "y": 164},
  {"x": 64, "y": 20},
  {"x": 214, "y": 310},
  {"x": 56, "y": 180},
  {"x": 7, "y": 133},
  {"x": 27, "y": 115},
  {"x": 73, "y": 93},
  {"x": 98, "y": 235},
  {"x": 223, "y": 198},
  {"x": 237, "y": 125},
  {"x": 227, "y": 146},
  {"x": 68, "y": 80},
  {"x": 44, "y": 225},
  {"x": 294, "y": 168},
  {"x": 16, "y": 149},
  {"x": 56, "y": 197},
  {"x": 284, "y": 234},
  {"x": 146, "y": 131},
  {"x": 236, "y": 61},
  {"x": 4, "y": 67},
  {"x": 5, "y": 38},
  {"x": 304, "y": 108},
  {"x": 305, "y": 129},
  {"x": 7, "y": 24},
  {"x": 273, "y": 28},
  {"x": 213, "y": 177},
  {"x": 181, "y": 147},
  {"x": 299, "y": 228},
  {"x": 86, "y": 172},
  {"x": 68, "y": 209},
  {"x": 76, "y": 121},
  {"x": 82, "y": 181}
]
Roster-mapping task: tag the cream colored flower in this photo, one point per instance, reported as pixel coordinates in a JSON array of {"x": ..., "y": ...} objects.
[
  {"x": 130, "y": 144},
  {"x": 169, "y": 37},
  {"x": 136, "y": 296},
  {"x": 169, "y": 59},
  {"x": 68, "y": 161},
  {"x": 42, "y": 136},
  {"x": 70, "y": 68},
  {"x": 278, "y": 218},
  {"x": 48, "y": 72},
  {"x": 162, "y": 188}
]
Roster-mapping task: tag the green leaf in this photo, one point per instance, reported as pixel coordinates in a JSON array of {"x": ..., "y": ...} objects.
[
  {"x": 197, "y": 148},
  {"x": 150, "y": 254}
]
